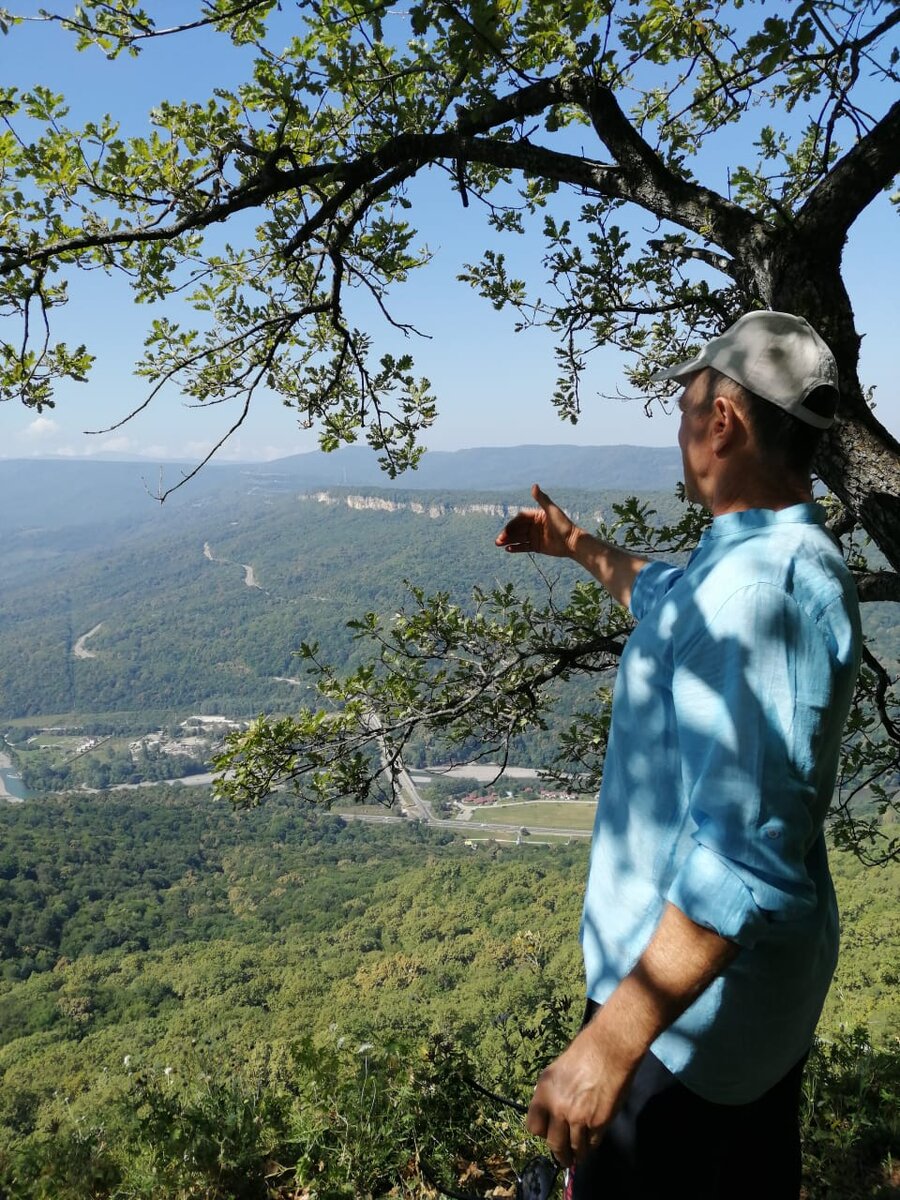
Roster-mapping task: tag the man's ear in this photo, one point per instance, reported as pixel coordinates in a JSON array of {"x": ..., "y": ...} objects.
[{"x": 727, "y": 425}]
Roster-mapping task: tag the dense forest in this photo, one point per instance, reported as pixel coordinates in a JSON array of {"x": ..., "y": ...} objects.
[
  {"x": 189, "y": 992},
  {"x": 283, "y": 1002},
  {"x": 175, "y": 628},
  {"x": 179, "y": 629}
]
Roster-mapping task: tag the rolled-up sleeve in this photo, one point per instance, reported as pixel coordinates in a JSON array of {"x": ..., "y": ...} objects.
[
  {"x": 750, "y": 694},
  {"x": 650, "y": 585}
]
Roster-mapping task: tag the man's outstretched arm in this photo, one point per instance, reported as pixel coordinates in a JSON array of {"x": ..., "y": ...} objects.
[
  {"x": 547, "y": 530},
  {"x": 579, "y": 1094}
]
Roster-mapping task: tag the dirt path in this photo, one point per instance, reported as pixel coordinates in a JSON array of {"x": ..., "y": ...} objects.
[{"x": 78, "y": 650}]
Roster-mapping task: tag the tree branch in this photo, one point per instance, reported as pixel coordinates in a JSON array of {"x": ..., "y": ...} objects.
[
  {"x": 878, "y": 585},
  {"x": 857, "y": 44},
  {"x": 853, "y": 182},
  {"x": 639, "y": 175},
  {"x": 162, "y": 496},
  {"x": 647, "y": 180},
  {"x": 881, "y": 693},
  {"x": 148, "y": 31},
  {"x": 403, "y": 154},
  {"x": 673, "y": 248}
]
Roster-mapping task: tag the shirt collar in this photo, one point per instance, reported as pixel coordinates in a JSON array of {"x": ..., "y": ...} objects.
[{"x": 731, "y": 523}]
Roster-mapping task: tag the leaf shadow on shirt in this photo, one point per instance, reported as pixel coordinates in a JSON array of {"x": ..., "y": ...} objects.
[{"x": 729, "y": 706}]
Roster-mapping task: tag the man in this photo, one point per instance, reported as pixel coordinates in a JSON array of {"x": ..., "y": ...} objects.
[{"x": 710, "y": 928}]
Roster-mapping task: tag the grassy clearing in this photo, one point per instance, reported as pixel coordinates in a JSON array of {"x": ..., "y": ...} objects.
[
  {"x": 365, "y": 810},
  {"x": 563, "y": 814},
  {"x": 75, "y": 720},
  {"x": 68, "y": 743},
  {"x": 61, "y": 749}
]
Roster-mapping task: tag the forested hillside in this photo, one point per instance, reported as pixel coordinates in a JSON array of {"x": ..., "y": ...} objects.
[
  {"x": 279, "y": 1002},
  {"x": 182, "y": 625},
  {"x": 188, "y": 993}
]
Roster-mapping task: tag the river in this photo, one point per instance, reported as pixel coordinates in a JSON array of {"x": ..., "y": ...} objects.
[{"x": 11, "y": 787}]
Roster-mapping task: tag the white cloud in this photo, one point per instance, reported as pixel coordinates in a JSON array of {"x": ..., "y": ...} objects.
[
  {"x": 111, "y": 445},
  {"x": 41, "y": 427},
  {"x": 270, "y": 453}
]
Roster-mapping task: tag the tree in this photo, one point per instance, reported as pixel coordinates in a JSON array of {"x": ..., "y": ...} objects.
[{"x": 322, "y": 144}]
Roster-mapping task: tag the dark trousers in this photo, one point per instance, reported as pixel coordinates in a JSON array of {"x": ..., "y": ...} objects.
[{"x": 666, "y": 1141}]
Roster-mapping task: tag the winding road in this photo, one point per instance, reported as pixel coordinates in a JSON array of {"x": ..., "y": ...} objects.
[{"x": 78, "y": 650}]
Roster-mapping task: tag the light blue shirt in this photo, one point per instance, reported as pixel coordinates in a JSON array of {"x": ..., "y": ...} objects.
[{"x": 727, "y": 715}]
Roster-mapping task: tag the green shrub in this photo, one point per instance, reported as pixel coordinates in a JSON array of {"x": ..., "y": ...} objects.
[{"x": 851, "y": 1120}]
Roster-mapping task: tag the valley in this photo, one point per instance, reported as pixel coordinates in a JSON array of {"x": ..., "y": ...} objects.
[{"x": 185, "y": 985}]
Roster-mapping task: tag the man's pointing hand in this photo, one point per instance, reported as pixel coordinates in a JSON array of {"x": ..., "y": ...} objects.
[{"x": 544, "y": 530}]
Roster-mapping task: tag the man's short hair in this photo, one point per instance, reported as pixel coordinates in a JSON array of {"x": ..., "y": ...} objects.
[{"x": 779, "y": 436}]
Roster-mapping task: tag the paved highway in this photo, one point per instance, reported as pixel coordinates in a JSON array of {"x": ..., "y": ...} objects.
[{"x": 414, "y": 807}]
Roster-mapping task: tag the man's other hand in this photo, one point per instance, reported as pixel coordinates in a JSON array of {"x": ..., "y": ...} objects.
[
  {"x": 577, "y": 1096},
  {"x": 544, "y": 530}
]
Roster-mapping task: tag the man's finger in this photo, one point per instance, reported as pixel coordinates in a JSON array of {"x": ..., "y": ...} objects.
[
  {"x": 541, "y": 497},
  {"x": 537, "y": 1119},
  {"x": 580, "y": 1140},
  {"x": 510, "y": 534},
  {"x": 559, "y": 1139},
  {"x": 584, "y": 1140},
  {"x": 516, "y": 534}
]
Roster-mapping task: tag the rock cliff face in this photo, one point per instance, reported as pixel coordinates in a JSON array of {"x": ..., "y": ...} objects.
[
  {"x": 431, "y": 509},
  {"x": 435, "y": 509}
]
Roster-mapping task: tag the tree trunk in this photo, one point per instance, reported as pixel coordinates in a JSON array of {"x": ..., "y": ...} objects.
[
  {"x": 858, "y": 459},
  {"x": 861, "y": 465}
]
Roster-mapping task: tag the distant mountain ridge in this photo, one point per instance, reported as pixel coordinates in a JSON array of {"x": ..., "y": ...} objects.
[
  {"x": 436, "y": 505},
  {"x": 58, "y": 493},
  {"x": 492, "y": 468}
]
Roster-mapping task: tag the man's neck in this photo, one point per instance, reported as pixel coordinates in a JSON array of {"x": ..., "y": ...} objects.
[{"x": 738, "y": 495}]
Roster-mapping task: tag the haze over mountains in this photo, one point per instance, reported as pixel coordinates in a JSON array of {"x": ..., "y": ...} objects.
[
  {"x": 63, "y": 492},
  {"x": 594, "y": 468},
  {"x": 200, "y": 603}
]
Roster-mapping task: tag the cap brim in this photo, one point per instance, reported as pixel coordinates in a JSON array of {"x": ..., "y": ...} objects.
[{"x": 680, "y": 369}]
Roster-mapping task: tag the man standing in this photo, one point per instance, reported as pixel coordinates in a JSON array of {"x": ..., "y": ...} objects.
[{"x": 710, "y": 928}]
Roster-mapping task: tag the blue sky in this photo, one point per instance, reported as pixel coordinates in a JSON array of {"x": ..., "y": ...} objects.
[{"x": 493, "y": 385}]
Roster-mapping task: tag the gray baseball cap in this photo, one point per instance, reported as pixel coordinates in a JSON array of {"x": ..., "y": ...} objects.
[{"x": 777, "y": 356}]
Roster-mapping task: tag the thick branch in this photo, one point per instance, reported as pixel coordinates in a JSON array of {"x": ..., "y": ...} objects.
[
  {"x": 878, "y": 585},
  {"x": 252, "y": 194},
  {"x": 853, "y": 182},
  {"x": 858, "y": 460},
  {"x": 413, "y": 150},
  {"x": 882, "y": 689},
  {"x": 407, "y": 151},
  {"x": 674, "y": 249},
  {"x": 639, "y": 175},
  {"x": 654, "y": 186}
]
